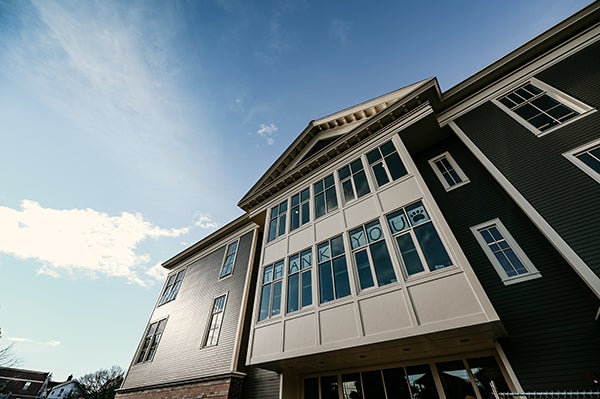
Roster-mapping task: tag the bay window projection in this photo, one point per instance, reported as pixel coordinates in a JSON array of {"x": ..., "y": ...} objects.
[
  {"x": 299, "y": 289},
  {"x": 371, "y": 256},
  {"x": 325, "y": 196},
  {"x": 333, "y": 270},
  {"x": 300, "y": 209},
  {"x": 270, "y": 296},
  {"x": 417, "y": 239},
  {"x": 386, "y": 163},
  {"x": 277, "y": 221},
  {"x": 354, "y": 181}
]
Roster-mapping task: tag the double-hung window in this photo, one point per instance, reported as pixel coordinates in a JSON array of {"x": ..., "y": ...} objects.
[
  {"x": 540, "y": 107},
  {"x": 325, "y": 196},
  {"x": 216, "y": 320},
  {"x": 448, "y": 171},
  {"x": 333, "y": 270},
  {"x": 277, "y": 220},
  {"x": 270, "y": 296},
  {"x": 371, "y": 256},
  {"x": 587, "y": 158},
  {"x": 151, "y": 341},
  {"x": 386, "y": 163},
  {"x": 353, "y": 180},
  {"x": 172, "y": 287},
  {"x": 299, "y": 289},
  {"x": 418, "y": 240},
  {"x": 229, "y": 261},
  {"x": 504, "y": 253},
  {"x": 300, "y": 209}
]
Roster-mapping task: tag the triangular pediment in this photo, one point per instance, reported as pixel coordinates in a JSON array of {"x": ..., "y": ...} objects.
[{"x": 321, "y": 134}]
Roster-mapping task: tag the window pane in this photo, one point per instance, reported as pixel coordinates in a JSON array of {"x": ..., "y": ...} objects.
[
  {"x": 395, "y": 166},
  {"x": 295, "y": 218},
  {"x": 325, "y": 282},
  {"x": 455, "y": 380},
  {"x": 311, "y": 388},
  {"x": 281, "y": 225},
  {"x": 320, "y": 205},
  {"x": 417, "y": 213},
  {"x": 421, "y": 382},
  {"x": 410, "y": 257},
  {"x": 348, "y": 191},
  {"x": 295, "y": 200},
  {"x": 329, "y": 181},
  {"x": 432, "y": 247},
  {"x": 373, "y": 156},
  {"x": 265, "y": 298},
  {"x": 329, "y": 387},
  {"x": 306, "y": 259},
  {"x": 294, "y": 263},
  {"x": 362, "y": 186},
  {"x": 278, "y": 270},
  {"x": 363, "y": 269},
  {"x": 306, "y": 288},
  {"x": 337, "y": 246},
  {"x": 344, "y": 172},
  {"x": 351, "y": 386},
  {"x": 397, "y": 222},
  {"x": 305, "y": 212},
  {"x": 324, "y": 252},
  {"x": 272, "y": 229},
  {"x": 304, "y": 195},
  {"x": 268, "y": 274},
  {"x": 357, "y": 238},
  {"x": 387, "y": 148},
  {"x": 331, "y": 199},
  {"x": 590, "y": 161},
  {"x": 374, "y": 232},
  {"x": 380, "y": 174},
  {"x": 485, "y": 370},
  {"x": 293, "y": 293},
  {"x": 340, "y": 271},
  {"x": 395, "y": 383},
  {"x": 276, "y": 299},
  {"x": 373, "y": 385},
  {"x": 383, "y": 265}
]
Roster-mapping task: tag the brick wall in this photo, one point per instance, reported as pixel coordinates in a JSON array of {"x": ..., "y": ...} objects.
[{"x": 226, "y": 388}]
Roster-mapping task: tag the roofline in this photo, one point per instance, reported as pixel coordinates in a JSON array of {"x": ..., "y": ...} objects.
[
  {"x": 534, "y": 48},
  {"x": 229, "y": 228},
  {"x": 27, "y": 370}
]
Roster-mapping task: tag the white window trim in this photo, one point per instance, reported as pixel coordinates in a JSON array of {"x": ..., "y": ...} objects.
[
  {"x": 582, "y": 108},
  {"x": 571, "y": 155},
  {"x": 225, "y": 258},
  {"x": 532, "y": 272},
  {"x": 456, "y": 168}
]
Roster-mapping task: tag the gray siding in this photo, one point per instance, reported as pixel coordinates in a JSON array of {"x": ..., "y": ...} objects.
[
  {"x": 180, "y": 356},
  {"x": 261, "y": 384},
  {"x": 552, "y": 335},
  {"x": 563, "y": 194}
]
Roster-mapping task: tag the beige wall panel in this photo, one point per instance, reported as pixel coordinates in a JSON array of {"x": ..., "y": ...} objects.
[
  {"x": 338, "y": 324},
  {"x": 300, "y": 332},
  {"x": 329, "y": 226},
  {"x": 400, "y": 194},
  {"x": 267, "y": 340},
  {"x": 383, "y": 313},
  {"x": 361, "y": 211},
  {"x": 443, "y": 299},
  {"x": 301, "y": 239},
  {"x": 275, "y": 251}
]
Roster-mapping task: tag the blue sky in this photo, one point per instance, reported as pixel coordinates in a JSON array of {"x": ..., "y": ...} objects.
[{"x": 130, "y": 130}]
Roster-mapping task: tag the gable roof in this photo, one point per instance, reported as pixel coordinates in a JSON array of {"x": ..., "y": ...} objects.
[{"x": 322, "y": 135}]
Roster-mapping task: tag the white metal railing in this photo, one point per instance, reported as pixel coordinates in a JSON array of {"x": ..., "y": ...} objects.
[{"x": 570, "y": 394}]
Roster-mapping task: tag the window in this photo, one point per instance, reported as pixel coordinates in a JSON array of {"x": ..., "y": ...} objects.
[
  {"x": 587, "y": 158},
  {"x": 151, "y": 341},
  {"x": 229, "y": 261},
  {"x": 333, "y": 270},
  {"x": 300, "y": 209},
  {"x": 299, "y": 280},
  {"x": 325, "y": 196},
  {"x": 386, "y": 163},
  {"x": 449, "y": 173},
  {"x": 270, "y": 296},
  {"x": 26, "y": 385},
  {"x": 540, "y": 107},
  {"x": 502, "y": 250},
  {"x": 371, "y": 256},
  {"x": 277, "y": 221},
  {"x": 216, "y": 320},
  {"x": 418, "y": 240},
  {"x": 172, "y": 287},
  {"x": 353, "y": 180}
]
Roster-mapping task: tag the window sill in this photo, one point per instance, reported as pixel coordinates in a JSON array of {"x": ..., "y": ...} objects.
[
  {"x": 521, "y": 278},
  {"x": 462, "y": 183}
]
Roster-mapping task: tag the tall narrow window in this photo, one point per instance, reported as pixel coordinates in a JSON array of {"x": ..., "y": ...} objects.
[
  {"x": 371, "y": 256},
  {"x": 418, "y": 241},
  {"x": 300, "y": 209},
  {"x": 26, "y": 385},
  {"x": 386, "y": 163},
  {"x": 541, "y": 107},
  {"x": 151, "y": 341},
  {"x": 172, "y": 287},
  {"x": 216, "y": 320},
  {"x": 449, "y": 173},
  {"x": 333, "y": 270},
  {"x": 299, "y": 281},
  {"x": 325, "y": 196},
  {"x": 587, "y": 158},
  {"x": 502, "y": 250},
  {"x": 228, "y": 262},
  {"x": 353, "y": 180},
  {"x": 277, "y": 221},
  {"x": 270, "y": 296}
]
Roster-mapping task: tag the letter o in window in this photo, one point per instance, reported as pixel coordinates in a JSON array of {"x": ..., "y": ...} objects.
[{"x": 375, "y": 233}]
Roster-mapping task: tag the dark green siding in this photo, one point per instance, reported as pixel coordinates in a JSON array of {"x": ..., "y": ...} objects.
[
  {"x": 553, "y": 339},
  {"x": 564, "y": 195}
]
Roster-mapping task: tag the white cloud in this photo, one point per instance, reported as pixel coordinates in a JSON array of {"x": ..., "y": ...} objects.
[
  {"x": 267, "y": 132},
  {"x": 205, "y": 222},
  {"x": 157, "y": 272},
  {"x": 66, "y": 240},
  {"x": 340, "y": 30},
  {"x": 51, "y": 343}
]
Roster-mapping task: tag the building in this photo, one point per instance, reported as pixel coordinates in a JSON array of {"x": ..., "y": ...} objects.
[
  {"x": 25, "y": 384},
  {"x": 70, "y": 389},
  {"x": 418, "y": 245}
]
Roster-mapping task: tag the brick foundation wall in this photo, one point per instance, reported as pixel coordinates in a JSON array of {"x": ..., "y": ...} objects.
[{"x": 225, "y": 388}]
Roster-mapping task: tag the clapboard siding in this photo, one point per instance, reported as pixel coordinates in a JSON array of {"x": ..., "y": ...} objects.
[
  {"x": 552, "y": 338},
  {"x": 563, "y": 194},
  {"x": 261, "y": 384},
  {"x": 180, "y": 355}
]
